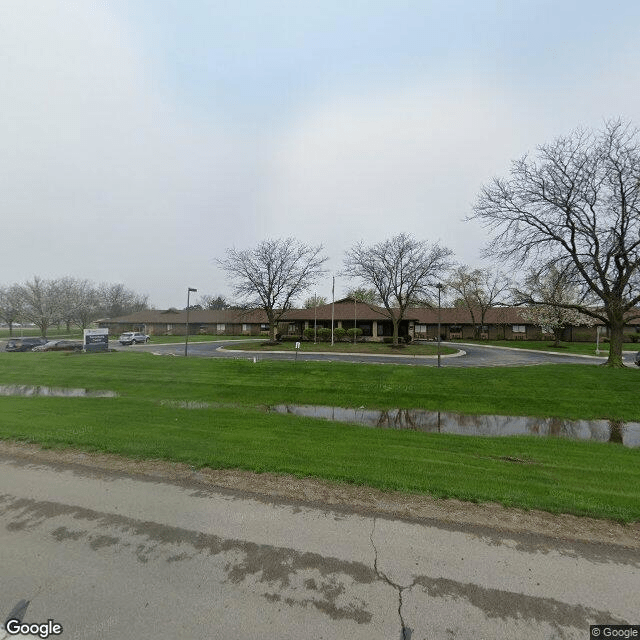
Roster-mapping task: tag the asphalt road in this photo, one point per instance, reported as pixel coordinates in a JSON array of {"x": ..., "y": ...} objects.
[
  {"x": 470, "y": 355},
  {"x": 117, "y": 556}
]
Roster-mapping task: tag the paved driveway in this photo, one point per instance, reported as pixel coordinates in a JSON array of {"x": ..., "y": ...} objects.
[{"x": 471, "y": 355}]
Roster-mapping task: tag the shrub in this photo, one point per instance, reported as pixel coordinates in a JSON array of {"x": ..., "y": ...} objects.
[
  {"x": 324, "y": 334},
  {"x": 309, "y": 333},
  {"x": 339, "y": 334},
  {"x": 354, "y": 333}
]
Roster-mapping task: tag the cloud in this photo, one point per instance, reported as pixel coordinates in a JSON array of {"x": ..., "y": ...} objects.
[{"x": 102, "y": 176}]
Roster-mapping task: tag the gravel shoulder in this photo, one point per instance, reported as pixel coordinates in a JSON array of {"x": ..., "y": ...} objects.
[{"x": 320, "y": 493}]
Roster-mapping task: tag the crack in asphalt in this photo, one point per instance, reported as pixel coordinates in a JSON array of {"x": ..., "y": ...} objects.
[{"x": 405, "y": 632}]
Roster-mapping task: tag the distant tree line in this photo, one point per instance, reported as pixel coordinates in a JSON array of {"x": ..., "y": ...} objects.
[{"x": 70, "y": 301}]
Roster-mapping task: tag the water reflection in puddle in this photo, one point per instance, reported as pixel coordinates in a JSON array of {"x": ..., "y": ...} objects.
[
  {"x": 26, "y": 390},
  {"x": 627, "y": 434}
]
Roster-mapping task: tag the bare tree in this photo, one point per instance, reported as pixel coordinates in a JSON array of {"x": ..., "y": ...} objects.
[
  {"x": 10, "y": 305},
  {"x": 362, "y": 294},
  {"x": 271, "y": 275},
  {"x": 213, "y": 303},
  {"x": 116, "y": 300},
  {"x": 314, "y": 301},
  {"x": 86, "y": 307},
  {"x": 576, "y": 208},
  {"x": 479, "y": 290},
  {"x": 554, "y": 288},
  {"x": 41, "y": 302},
  {"x": 79, "y": 304},
  {"x": 402, "y": 270}
]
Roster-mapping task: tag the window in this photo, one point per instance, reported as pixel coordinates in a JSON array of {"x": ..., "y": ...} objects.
[
  {"x": 519, "y": 328},
  {"x": 420, "y": 328},
  {"x": 264, "y": 327},
  {"x": 220, "y": 327},
  {"x": 246, "y": 327}
]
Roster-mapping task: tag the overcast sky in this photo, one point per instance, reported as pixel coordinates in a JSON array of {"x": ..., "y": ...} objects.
[{"x": 141, "y": 138}]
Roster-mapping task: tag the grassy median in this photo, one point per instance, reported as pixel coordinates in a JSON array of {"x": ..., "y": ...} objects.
[{"x": 583, "y": 478}]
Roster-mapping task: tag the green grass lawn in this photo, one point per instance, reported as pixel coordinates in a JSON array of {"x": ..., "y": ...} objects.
[
  {"x": 583, "y": 478},
  {"x": 192, "y": 338},
  {"x": 53, "y": 333},
  {"x": 377, "y": 348},
  {"x": 579, "y": 348}
]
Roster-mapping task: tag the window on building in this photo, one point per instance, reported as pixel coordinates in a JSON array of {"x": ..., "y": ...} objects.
[
  {"x": 246, "y": 327},
  {"x": 420, "y": 328},
  {"x": 519, "y": 328},
  {"x": 220, "y": 327},
  {"x": 264, "y": 327}
]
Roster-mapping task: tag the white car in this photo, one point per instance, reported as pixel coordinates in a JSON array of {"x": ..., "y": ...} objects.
[{"x": 133, "y": 337}]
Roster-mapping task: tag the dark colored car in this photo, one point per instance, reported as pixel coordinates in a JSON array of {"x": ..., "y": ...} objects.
[
  {"x": 60, "y": 345},
  {"x": 24, "y": 344}
]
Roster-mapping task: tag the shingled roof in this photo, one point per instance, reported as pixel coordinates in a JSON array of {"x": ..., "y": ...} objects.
[{"x": 345, "y": 309}]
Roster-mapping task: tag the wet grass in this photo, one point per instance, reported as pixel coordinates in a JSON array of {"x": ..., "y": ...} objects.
[
  {"x": 582, "y": 478},
  {"x": 562, "y": 391},
  {"x": 560, "y": 476}
]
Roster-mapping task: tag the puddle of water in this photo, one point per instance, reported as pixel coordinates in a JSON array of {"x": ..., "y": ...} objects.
[
  {"x": 26, "y": 390},
  {"x": 627, "y": 434}
]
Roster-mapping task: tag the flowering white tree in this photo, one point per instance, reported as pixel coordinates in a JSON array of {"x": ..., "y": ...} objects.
[{"x": 552, "y": 289}]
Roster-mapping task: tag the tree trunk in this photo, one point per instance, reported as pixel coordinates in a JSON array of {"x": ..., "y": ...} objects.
[
  {"x": 43, "y": 326},
  {"x": 616, "y": 340},
  {"x": 273, "y": 327},
  {"x": 396, "y": 325}
]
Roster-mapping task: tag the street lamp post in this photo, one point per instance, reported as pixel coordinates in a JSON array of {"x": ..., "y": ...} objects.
[
  {"x": 439, "y": 285},
  {"x": 315, "y": 317},
  {"x": 186, "y": 341}
]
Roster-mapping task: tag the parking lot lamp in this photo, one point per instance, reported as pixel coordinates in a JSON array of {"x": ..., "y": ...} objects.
[
  {"x": 440, "y": 287},
  {"x": 186, "y": 340}
]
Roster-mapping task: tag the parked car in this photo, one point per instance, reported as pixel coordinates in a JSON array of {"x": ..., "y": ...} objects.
[
  {"x": 60, "y": 345},
  {"x": 133, "y": 337},
  {"x": 24, "y": 344}
]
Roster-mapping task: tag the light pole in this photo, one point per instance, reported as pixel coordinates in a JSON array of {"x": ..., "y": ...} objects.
[
  {"x": 186, "y": 341},
  {"x": 439, "y": 286}
]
